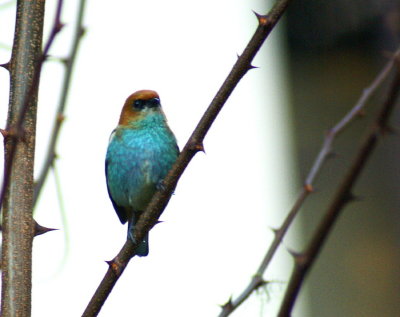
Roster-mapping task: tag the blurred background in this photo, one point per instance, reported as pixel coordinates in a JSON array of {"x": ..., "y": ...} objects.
[
  {"x": 335, "y": 49},
  {"x": 216, "y": 228}
]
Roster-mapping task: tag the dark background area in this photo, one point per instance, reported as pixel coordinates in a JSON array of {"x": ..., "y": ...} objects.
[{"x": 335, "y": 50}]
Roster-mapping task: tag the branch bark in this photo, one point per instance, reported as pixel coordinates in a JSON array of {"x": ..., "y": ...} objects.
[
  {"x": 16, "y": 196},
  {"x": 195, "y": 144},
  {"x": 18, "y": 225}
]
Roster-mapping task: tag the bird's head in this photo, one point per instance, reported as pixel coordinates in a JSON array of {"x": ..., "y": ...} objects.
[{"x": 139, "y": 105}]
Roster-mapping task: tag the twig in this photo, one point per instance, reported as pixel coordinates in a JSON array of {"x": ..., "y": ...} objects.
[
  {"x": 195, "y": 143},
  {"x": 257, "y": 280},
  {"x": 339, "y": 127},
  {"x": 305, "y": 260},
  {"x": 68, "y": 62},
  {"x": 16, "y": 132}
]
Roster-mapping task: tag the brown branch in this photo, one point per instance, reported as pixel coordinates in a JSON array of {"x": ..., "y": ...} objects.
[
  {"x": 257, "y": 280},
  {"x": 16, "y": 200},
  {"x": 68, "y": 62},
  {"x": 305, "y": 260},
  {"x": 193, "y": 145},
  {"x": 349, "y": 117},
  {"x": 15, "y": 131}
]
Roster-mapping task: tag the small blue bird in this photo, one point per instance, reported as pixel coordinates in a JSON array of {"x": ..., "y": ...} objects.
[{"x": 140, "y": 153}]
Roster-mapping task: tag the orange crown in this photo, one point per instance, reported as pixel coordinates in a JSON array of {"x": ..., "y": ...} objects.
[{"x": 128, "y": 112}]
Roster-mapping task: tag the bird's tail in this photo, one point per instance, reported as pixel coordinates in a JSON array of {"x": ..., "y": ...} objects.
[{"x": 143, "y": 247}]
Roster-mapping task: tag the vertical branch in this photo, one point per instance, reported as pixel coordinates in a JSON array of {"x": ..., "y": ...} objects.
[{"x": 18, "y": 225}]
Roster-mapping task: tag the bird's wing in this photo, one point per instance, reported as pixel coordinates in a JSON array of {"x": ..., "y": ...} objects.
[{"x": 123, "y": 217}]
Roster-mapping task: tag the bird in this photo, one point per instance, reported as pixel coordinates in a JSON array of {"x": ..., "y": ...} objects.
[{"x": 141, "y": 151}]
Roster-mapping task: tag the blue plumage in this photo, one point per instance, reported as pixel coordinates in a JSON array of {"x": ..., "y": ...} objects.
[{"x": 141, "y": 151}]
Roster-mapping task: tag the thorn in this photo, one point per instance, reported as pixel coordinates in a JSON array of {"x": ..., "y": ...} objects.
[
  {"x": 113, "y": 266},
  {"x": 228, "y": 305},
  {"x": 156, "y": 223},
  {"x": 350, "y": 197},
  {"x": 6, "y": 65},
  {"x": 309, "y": 188},
  {"x": 41, "y": 230},
  {"x": 59, "y": 26},
  {"x": 197, "y": 147},
  {"x": 63, "y": 60},
  {"x": 293, "y": 253},
  {"x": 4, "y": 133},
  {"x": 200, "y": 147},
  {"x": 258, "y": 281},
  {"x": 252, "y": 67},
  {"x": 60, "y": 117},
  {"x": 261, "y": 283},
  {"x": 262, "y": 19},
  {"x": 82, "y": 31},
  {"x": 298, "y": 257},
  {"x": 274, "y": 230}
]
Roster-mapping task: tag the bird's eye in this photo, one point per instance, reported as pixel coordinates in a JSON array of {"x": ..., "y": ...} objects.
[
  {"x": 138, "y": 104},
  {"x": 154, "y": 102}
]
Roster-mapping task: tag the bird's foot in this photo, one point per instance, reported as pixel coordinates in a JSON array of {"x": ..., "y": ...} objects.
[
  {"x": 160, "y": 185},
  {"x": 131, "y": 233}
]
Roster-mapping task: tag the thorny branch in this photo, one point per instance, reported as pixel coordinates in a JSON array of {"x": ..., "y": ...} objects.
[
  {"x": 257, "y": 280},
  {"x": 195, "y": 144},
  {"x": 16, "y": 132},
  {"x": 19, "y": 142},
  {"x": 68, "y": 62},
  {"x": 305, "y": 260}
]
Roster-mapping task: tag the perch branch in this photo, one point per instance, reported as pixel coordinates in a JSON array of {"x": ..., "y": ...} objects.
[
  {"x": 257, "y": 280},
  {"x": 195, "y": 144},
  {"x": 305, "y": 260}
]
